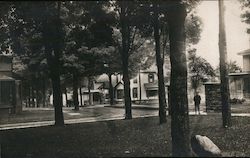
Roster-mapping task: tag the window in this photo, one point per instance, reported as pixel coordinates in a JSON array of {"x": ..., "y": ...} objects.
[
  {"x": 151, "y": 78},
  {"x": 135, "y": 80},
  {"x": 238, "y": 85},
  {"x": 151, "y": 93},
  {"x": 107, "y": 96},
  {"x": 120, "y": 94},
  {"x": 135, "y": 92}
]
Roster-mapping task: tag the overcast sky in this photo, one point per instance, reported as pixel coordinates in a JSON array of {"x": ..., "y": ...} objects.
[{"x": 237, "y": 38}]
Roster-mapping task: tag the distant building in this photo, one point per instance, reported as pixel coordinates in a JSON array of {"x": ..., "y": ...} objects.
[
  {"x": 10, "y": 98},
  {"x": 240, "y": 82},
  {"x": 239, "y": 85},
  {"x": 143, "y": 86}
]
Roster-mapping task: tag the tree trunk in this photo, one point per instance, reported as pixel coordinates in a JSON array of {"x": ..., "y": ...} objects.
[
  {"x": 26, "y": 103},
  {"x": 75, "y": 91},
  {"x": 33, "y": 96},
  {"x": 29, "y": 96},
  {"x": 139, "y": 85},
  {"x": 44, "y": 92},
  {"x": 125, "y": 50},
  {"x": 89, "y": 88},
  {"x": 226, "y": 108},
  {"x": 57, "y": 100},
  {"x": 159, "y": 62},
  {"x": 66, "y": 96},
  {"x": 111, "y": 90},
  {"x": 178, "y": 84},
  {"x": 53, "y": 41},
  {"x": 37, "y": 96},
  {"x": 81, "y": 101}
]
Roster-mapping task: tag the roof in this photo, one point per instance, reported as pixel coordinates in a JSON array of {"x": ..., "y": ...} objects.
[
  {"x": 148, "y": 71},
  {"x": 102, "y": 78},
  {"x": 97, "y": 85},
  {"x": 92, "y": 91},
  {"x": 245, "y": 52},
  {"x": 239, "y": 74},
  {"x": 207, "y": 83},
  {"x": 118, "y": 84},
  {"x": 6, "y": 78}
]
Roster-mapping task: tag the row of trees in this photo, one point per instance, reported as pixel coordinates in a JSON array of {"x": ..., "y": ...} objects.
[
  {"x": 89, "y": 38},
  {"x": 75, "y": 36},
  {"x": 85, "y": 39}
]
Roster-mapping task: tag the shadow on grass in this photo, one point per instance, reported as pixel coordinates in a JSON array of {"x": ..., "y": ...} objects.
[{"x": 142, "y": 137}]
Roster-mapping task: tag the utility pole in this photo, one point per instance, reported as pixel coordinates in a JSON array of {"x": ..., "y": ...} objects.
[{"x": 226, "y": 108}]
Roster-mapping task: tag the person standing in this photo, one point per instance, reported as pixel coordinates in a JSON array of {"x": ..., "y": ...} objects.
[{"x": 197, "y": 101}]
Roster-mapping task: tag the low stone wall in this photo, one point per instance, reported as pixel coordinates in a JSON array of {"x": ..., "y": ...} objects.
[{"x": 213, "y": 96}]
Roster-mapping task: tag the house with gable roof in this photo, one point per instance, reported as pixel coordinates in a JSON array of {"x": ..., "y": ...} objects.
[{"x": 143, "y": 86}]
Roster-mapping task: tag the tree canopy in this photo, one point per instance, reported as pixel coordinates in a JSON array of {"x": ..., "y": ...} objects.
[
  {"x": 200, "y": 70},
  {"x": 246, "y": 12}
]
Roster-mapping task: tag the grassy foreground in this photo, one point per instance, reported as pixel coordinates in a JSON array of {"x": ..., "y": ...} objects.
[{"x": 142, "y": 137}]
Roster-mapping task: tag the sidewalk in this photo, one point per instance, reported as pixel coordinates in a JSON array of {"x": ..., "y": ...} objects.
[
  {"x": 136, "y": 106},
  {"x": 44, "y": 116},
  {"x": 70, "y": 121},
  {"x": 89, "y": 119}
]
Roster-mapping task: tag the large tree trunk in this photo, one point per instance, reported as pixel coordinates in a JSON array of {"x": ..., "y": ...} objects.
[
  {"x": 226, "y": 108},
  {"x": 53, "y": 48},
  {"x": 159, "y": 62},
  {"x": 125, "y": 50},
  {"x": 75, "y": 91},
  {"x": 178, "y": 84},
  {"x": 111, "y": 90},
  {"x": 57, "y": 99}
]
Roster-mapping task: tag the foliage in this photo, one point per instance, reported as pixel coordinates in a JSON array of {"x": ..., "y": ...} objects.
[
  {"x": 89, "y": 34},
  {"x": 232, "y": 67},
  {"x": 4, "y": 16},
  {"x": 193, "y": 28},
  {"x": 137, "y": 31},
  {"x": 246, "y": 15},
  {"x": 200, "y": 70}
]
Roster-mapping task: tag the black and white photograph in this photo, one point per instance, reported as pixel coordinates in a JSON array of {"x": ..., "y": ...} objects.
[{"x": 124, "y": 78}]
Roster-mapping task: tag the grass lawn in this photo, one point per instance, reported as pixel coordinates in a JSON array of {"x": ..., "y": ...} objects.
[{"x": 142, "y": 137}]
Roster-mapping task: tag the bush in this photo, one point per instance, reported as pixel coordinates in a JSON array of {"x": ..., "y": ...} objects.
[{"x": 237, "y": 101}]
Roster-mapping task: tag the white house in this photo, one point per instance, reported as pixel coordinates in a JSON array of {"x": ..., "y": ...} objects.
[
  {"x": 240, "y": 81},
  {"x": 143, "y": 87}
]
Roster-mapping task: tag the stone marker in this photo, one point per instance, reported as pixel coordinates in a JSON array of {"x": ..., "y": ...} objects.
[{"x": 204, "y": 147}]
